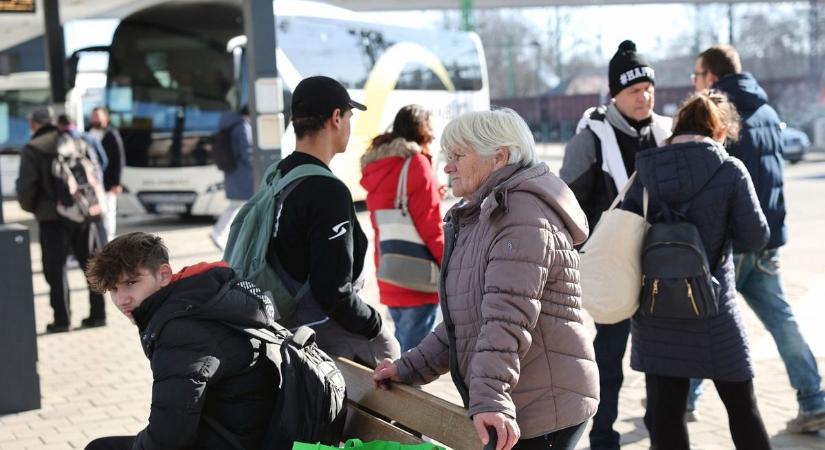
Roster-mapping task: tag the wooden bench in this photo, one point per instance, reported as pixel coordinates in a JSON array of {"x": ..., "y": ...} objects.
[{"x": 371, "y": 412}]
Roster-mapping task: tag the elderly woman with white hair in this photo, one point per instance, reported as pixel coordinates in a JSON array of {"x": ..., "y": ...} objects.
[{"x": 512, "y": 336}]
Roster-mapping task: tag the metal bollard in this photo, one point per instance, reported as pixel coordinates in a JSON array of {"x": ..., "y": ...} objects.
[{"x": 19, "y": 381}]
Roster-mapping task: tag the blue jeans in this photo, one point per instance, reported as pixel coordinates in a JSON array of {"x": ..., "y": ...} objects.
[
  {"x": 759, "y": 281},
  {"x": 412, "y": 324}
]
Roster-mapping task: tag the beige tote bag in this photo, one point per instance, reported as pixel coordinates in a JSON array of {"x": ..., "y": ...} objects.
[{"x": 611, "y": 263}]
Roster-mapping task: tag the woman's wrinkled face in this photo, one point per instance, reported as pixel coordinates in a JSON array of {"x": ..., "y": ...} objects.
[{"x": 468, "y": 170}]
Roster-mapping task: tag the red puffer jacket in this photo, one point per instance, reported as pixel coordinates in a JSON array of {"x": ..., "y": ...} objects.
[{"x": 380, "y": 169}]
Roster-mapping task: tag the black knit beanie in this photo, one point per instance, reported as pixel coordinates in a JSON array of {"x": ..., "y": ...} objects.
[{"x": 627, "y": 68}]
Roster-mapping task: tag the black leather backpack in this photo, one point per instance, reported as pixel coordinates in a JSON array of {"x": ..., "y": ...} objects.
[{"x": 677, "y": 278}]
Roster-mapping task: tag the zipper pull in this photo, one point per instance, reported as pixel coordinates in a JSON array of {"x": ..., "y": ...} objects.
[
  {"x": 655, "y": 291},
  {"x": 690, "y": 296}
]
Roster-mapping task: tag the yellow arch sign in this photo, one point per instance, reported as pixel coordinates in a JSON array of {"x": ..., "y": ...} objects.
[{"x": 383, "y": 78}]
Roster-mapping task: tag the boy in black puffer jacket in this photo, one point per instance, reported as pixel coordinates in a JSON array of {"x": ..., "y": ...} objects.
[{"x": 210, "y": 385}]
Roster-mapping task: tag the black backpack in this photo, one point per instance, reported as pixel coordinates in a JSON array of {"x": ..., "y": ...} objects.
[
  {"x": 222, "y": 149},
  {"x": 311, "y": 391},
  {"x": 677, "y": 280}
]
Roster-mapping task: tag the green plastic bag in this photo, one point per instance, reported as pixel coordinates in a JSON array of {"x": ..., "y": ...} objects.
[{"x": 373, "y": 445}]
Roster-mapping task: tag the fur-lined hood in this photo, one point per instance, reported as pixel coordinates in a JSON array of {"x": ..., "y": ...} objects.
[{"x": 397, "y": 147}]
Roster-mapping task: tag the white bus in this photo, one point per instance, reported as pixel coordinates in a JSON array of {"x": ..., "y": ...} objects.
[{"x": 174, "y": 68}]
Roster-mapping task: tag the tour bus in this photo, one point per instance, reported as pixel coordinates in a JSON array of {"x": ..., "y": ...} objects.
[{"x": 176, "y": 67}]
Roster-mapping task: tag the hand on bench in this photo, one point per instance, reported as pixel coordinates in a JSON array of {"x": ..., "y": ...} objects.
[{"x": 385, "y": 372}]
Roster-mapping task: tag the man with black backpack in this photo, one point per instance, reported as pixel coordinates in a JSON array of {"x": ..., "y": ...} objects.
[
  {"x": 232, "y": 151},
  {"x": 598, "y": 162},
  {"x": 59, "y": 183}
]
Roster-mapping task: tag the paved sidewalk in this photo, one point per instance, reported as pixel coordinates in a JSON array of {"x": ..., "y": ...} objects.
[{"x": 97, "y": 382}]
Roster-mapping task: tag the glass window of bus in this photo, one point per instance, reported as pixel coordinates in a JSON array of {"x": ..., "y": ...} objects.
[
  {"x": 170, "y": 81},
  {"x": 166, "y": 71}
]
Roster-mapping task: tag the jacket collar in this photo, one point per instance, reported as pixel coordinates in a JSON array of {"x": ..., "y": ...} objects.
[
  {"x": 398, "y": 147},
  {"x": 676, "y": 172},
  {"x": 45, "y": 139},
  {"x": 683, "y": 138},
  {"x": 144, "y": 313},
  {"x": 468, "y": 209},
  {"x": 492, "y": 199}
]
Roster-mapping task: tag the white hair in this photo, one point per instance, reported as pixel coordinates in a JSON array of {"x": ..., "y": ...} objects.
[{"x": 487, "y": 131}]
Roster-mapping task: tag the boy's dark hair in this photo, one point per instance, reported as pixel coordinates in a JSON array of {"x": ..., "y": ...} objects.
[
  {"x": 125, "y": 256},
  {"x": 721, "y": 60}
]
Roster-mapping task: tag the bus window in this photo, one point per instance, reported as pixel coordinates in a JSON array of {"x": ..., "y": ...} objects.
[{"x": 169, "y": 82}]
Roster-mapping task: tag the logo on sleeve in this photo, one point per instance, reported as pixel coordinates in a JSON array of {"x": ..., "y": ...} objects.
[{"x": 339, "y": 230}]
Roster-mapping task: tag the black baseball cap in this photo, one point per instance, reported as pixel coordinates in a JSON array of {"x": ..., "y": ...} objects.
[{"x": 319, "y": 96}]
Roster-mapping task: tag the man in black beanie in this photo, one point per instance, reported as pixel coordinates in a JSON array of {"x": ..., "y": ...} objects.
[{"x": 597, "y": 164}]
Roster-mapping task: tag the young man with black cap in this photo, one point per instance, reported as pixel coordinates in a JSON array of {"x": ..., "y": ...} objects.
[
  {"x": 597, "y": 164},
  {"x": 318, "y": 236}
]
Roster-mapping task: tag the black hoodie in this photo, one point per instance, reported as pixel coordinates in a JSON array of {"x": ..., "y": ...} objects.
[{"x": 202, "y": 367}]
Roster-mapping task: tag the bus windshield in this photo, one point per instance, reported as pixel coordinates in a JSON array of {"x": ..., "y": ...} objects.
[
  {"x": 169, "y": 81},
  {"x": 158, "y": 73}
]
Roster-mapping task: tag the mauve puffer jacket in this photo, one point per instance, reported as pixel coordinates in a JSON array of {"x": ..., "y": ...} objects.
[{"x": 510, "y": 283}]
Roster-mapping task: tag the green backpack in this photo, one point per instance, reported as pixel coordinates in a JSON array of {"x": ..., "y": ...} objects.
[{"x": 251, "y": 232}]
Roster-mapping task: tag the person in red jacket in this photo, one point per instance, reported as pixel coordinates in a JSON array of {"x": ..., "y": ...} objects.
[{"x": 412, "y": 311}]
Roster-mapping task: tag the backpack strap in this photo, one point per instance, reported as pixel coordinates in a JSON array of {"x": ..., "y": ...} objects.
[
  {"x": 302, "y": 171},
  {"x": 284, "y": 187}
]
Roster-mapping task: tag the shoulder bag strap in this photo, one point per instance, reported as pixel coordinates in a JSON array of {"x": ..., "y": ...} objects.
[
  {"x": 401, "y": 190},
  {"x": 623, "y": 192},
  {"x": 645, "y": 202}
]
